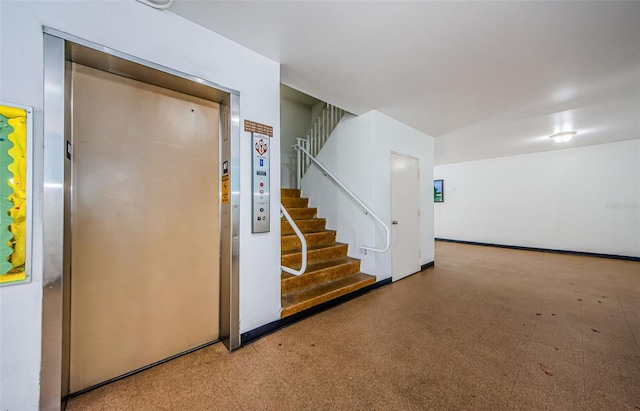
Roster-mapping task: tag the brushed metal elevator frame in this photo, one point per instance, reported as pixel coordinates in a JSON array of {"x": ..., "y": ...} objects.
[{"x": 60, "y": 49}]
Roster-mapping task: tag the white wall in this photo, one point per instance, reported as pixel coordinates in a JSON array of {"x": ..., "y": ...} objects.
[
  {"x": 359, "y": 153},
  {"x": 316, "y": 110},
  {"x": 344, "y": 155},
  {"x": 579, "y": 199},
  {"x": 295, "y": 121},
  {"x": 391, "y": 135},
  {"x": 166, "y": 39}
]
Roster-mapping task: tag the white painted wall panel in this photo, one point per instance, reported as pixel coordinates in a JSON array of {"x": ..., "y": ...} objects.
[
  {"x": 295, "y": 121},
  {"x": 169, "y": 40},
  {"x": 579, "y": 199},
  {"x": 345, "y": 154},
  {"x": 359, "y": 153},
  {"x": 392, "y": 135}
]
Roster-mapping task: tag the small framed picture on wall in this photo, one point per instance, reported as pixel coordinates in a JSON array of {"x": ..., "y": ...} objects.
[{"x": 438, "y": 191}]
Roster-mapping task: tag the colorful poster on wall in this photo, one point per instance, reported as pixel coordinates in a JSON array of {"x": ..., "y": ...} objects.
[
  {"x": 15, "y": 124},
  {"x": 438, "y": 191}
]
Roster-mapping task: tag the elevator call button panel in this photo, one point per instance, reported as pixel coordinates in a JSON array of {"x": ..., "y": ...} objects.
[{"x": 260, "y": 183}]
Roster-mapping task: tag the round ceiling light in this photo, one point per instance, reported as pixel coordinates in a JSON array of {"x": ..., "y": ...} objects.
[{"x": 563, "y": 137}]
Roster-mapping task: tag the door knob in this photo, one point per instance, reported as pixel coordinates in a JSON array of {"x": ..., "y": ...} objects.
[{"x": 394, "y": 222}]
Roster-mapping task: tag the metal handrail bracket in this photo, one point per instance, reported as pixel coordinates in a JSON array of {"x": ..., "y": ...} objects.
[
  {"x": 303, "y": 266},
  {"x": 326, "y": 172}
]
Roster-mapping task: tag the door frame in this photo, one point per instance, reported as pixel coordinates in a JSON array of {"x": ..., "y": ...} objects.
[
  {"x": 393, "y": 277},
  {"x": 60, "y": 49}
]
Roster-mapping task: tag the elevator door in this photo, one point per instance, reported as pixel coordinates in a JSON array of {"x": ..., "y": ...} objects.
[{"x": 145, "y": 225}]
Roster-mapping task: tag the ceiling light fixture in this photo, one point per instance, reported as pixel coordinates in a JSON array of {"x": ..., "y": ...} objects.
[{"x": 563, "y": 137}]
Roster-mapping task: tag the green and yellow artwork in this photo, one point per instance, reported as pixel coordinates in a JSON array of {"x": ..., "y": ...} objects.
[{"x": 13, "y": 194}]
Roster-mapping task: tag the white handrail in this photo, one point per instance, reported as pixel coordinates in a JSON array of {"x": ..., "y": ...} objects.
[
  {"x": 363, "y": 205},
  {"x": 303, "y": 266}
]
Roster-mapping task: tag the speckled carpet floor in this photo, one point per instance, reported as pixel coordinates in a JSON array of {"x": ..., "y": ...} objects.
[{"x": 487, "y": 328}]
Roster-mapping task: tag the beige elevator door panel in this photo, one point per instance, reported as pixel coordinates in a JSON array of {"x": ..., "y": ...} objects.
[{"x": 145, "y": 225}]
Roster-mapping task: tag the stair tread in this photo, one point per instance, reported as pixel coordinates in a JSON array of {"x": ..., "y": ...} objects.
[
  {"x": 296, "y": 220},
  {"x": 290, "y": 209},
  {"x": 305, "y": 212},
  {"x": 295, "y": 200},
  {"x": 311, "y": 233},
  {"x": 289, "y": 193},
  {"x": 323, "y": 265},
  {"x": 300, "y": 300},
  {"x": 292, "y": 242},
  {"x": 312, "y": 248},
  {"x": 307, "y": 231},
  {"x": 306, "y": 223},
  {"x": 306, "y": 219}
]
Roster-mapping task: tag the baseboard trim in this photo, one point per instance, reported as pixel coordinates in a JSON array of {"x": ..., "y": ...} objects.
[
  {"x": 427, "y": 265},
  {"x": 544, "y": 250},
  {"x": 262, "y": 331}
]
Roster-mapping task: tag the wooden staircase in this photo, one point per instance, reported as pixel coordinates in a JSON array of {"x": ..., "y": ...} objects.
[{"x": 330, "y": 273}]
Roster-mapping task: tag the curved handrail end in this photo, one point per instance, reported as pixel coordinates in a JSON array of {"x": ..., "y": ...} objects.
[{"x": 303, "y": 242}]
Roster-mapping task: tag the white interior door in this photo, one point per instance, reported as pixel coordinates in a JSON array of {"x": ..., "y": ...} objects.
[
  {"x": 405, "y": 215},
  {"x": 145, "y": 225}
]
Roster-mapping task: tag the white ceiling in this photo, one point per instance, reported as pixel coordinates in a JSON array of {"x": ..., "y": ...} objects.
[{"x": 487, "y": 79}]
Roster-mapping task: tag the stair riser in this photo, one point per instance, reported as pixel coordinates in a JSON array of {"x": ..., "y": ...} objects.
[
  {"x": 292, "y": 242},
  {"x": 306, "y": 226},
  {"x": 289, "y": 193},
  {"x": 286, "y": 311},
  {"x": 314, "y": 256},
  {"x": 307, "y": 280},
  {"x": 294, "y": 202},
  {"x": 301, "y": 213}
]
